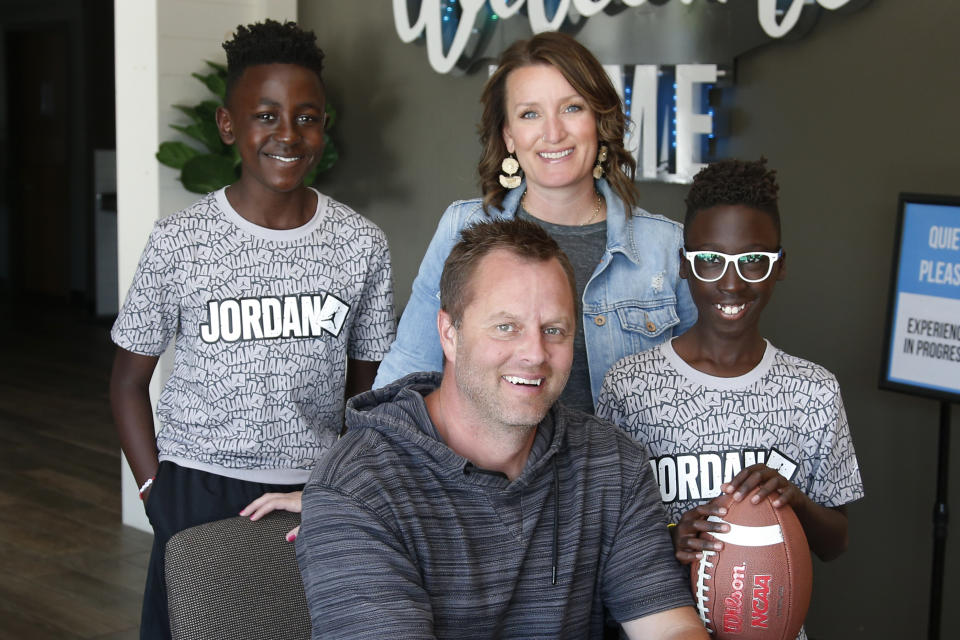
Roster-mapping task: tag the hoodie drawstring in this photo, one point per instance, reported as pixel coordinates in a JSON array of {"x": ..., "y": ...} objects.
[{"x": 556, "y": 516}]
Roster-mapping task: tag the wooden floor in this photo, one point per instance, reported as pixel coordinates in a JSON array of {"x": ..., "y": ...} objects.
[{"x": 68, "y": 568}]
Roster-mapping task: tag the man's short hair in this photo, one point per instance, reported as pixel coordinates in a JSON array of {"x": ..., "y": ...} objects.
[
  {"x": 271, "y": 42},
  {"x": 734, "y": 182},
  {"x": 524, "y": 239}
]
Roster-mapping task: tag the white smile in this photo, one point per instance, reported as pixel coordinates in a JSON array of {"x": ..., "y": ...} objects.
[
  {"x": 284, "y": 158},
  {"x": 730, "y": 309},
  {"x": 555, "y": 155},
  {"x": 518, "y": 380}
]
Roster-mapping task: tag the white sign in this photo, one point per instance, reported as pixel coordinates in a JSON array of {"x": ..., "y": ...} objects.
[{"x": 923, "y": 349}]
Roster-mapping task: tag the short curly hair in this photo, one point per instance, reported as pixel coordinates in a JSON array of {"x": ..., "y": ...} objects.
[
  {"x": 734, "y": 182},
  {"x": 524, "y": 239},
  {"x": 586, "y": 75},
  {"x": 271, "y": 42}
]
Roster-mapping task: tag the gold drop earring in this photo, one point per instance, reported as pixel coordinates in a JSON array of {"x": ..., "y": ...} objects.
[
  {"x": 510, "y": 167},
  {"x": 601, "y": 158}
]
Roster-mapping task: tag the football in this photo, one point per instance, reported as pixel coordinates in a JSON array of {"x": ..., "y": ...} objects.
[{"x": 757, "y": 587}]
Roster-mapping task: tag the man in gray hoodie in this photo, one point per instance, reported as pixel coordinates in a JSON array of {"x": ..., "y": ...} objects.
[{"x": 470, "y": 504}]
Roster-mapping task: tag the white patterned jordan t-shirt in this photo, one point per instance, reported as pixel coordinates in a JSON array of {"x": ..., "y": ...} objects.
[
  {"x": 701, "y": 430},
  {"x": 264, "y": 322}
]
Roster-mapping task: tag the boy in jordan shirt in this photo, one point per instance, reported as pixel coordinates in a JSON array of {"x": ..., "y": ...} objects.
[
  {"x": 280, "y": 301},
  {"x": 719, "y": 408}
]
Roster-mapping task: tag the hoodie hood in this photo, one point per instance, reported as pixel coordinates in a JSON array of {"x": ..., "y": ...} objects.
[{"x": 399, "y": 414}]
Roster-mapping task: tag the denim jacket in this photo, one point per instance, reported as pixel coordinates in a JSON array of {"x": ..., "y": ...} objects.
[{"x": 634, "y": 300}]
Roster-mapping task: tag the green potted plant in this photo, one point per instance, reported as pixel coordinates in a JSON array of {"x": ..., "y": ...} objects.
[{"x": 216, "y": 165}]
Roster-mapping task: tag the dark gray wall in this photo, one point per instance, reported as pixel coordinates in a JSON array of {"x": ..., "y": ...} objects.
[
  {"x": 862, "y": 108},
  {"x": 406, "y": 134}
]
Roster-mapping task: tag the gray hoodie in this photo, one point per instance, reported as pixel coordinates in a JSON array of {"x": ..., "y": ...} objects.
[{"x": 403, "y": 537}]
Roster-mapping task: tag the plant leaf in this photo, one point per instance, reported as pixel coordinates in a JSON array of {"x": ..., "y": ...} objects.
[
  {"x": 219, "y": 67},
  {"x": 175, "y": 154},
  {"x": 205, "y": 132},
  {"x": 207, "y": 172},
  {"x": 214, "y": 82},
  {"x": 207, "y": 110},
  {"x": 191, "y": 112},
  {"x": 330, "y": 154}
]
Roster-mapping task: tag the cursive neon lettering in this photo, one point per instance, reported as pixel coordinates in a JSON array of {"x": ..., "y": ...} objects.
[{"x": 429, "y": 20}]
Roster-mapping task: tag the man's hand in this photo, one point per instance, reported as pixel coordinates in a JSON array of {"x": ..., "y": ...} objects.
[
  {"x": 686, "y": 535},
  {"x": 769, "y": 482},
  {"x": 271, "y": 502}
]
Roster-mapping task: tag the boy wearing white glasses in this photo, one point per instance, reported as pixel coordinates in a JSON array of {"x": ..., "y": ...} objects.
[{"x": 719, "y": 408}]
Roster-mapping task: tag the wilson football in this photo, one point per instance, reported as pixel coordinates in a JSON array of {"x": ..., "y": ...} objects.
[{"x": 758, "y": 586}]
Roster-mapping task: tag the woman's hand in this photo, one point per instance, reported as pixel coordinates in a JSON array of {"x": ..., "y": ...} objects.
[{"x": 271, "y": 502}]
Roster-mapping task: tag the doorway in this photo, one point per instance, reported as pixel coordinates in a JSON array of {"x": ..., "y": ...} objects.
[{"x": 38, "y": 153}]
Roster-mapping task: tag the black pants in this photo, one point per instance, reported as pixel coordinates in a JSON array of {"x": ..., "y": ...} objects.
[{"x": 181, "y": 498}]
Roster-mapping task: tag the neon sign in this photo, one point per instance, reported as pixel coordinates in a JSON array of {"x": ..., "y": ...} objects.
[{"x": 430, "y": 20}]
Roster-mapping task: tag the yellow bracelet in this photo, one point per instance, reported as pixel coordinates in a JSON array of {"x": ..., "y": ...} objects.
[{"x": 671, "y": 525}]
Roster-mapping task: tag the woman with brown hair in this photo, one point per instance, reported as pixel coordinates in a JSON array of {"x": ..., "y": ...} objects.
[{"x": 552, "y": 132}]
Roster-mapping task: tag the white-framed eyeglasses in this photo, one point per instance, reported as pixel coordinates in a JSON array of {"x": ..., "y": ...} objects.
[{"x": 752, "y": 266}]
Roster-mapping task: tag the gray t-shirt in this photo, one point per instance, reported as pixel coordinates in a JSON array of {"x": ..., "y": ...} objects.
[
  {"x": 584, "y": 247},
  {"x": 701, "y": 430},
  {"x": 265, "y": 321}
]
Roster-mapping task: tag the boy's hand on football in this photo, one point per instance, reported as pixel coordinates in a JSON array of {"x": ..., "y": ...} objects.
[
  {"x": 271, "y": 502},
  {"x": 686, "y": 535},
  {"x": 769, "y": 481}
]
